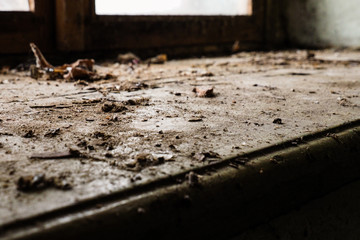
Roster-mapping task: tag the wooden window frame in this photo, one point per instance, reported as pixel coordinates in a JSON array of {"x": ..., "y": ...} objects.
[
  {"x": 177, "y": 33},
  {"x": 73, "y": 26},
  {"x": 18, "y": 28}
]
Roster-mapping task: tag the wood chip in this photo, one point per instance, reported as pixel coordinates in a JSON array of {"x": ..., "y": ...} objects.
[
  {"x": 208, "y": 93},
  {"x": 56, "y": 155},
  {"x": 43, "y": 106},
  {"x": 195, "y": 120}
]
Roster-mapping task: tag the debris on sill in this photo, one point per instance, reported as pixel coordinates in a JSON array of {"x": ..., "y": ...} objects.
[
  {"x": 202, "y": 156},
  {"x": 207, "y": 93},
  {"x": 278, "y": 121},
  {"x": 129, "y": 87},
  {"x": 128, "y": 58},
  {"x": 43, "y": 106},
  {"x": 310, "y": 55},
  {"x": 142, "y": 101},
  {"x": 52, "y": 133},
  {"x": 195, "y": 119},
  {"x": 138, "y": 101},
  {"x": 159, "y": 59},
  {"x": 32, "y": 183},
  {"x": 143, "y": 160},
  {"x": 236, "y": 46},
  {"x": 71, "y": 153},
  {"x": 4, "y": 70},
  {"x": 29, "y": 134},
  {"x": 207, "y": 74},
  {"x": 345, "y": 102},
  {"x": 113, "y": 107},
  {"x": 80, "y": 69}
]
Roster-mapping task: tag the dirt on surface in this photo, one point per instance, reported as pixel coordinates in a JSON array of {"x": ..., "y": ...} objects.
[{"x": 149, "y": 121}]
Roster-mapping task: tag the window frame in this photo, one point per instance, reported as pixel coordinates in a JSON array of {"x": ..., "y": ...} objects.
[
  {"x": 19, "y": 28},
  {"x": 173, "y": 33},
  {"x": 73, "y": 26}
]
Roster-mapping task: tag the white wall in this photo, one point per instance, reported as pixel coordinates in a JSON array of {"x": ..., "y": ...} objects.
[{"x": 323, "y": 23}]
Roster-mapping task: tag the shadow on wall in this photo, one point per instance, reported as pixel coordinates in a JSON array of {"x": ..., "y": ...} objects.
[{"x": 323, "y": 23}]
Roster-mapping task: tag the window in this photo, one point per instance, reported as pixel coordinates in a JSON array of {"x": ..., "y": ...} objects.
[
  {"x": 174, "y": 7},
  {"x": 14, "y": 5},
  {"x": 176, "y": 28},
  {"x": 174, "y": 34}
]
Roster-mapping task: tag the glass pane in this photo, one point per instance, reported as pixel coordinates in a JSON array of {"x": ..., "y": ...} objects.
[
  {"x": 173, "y": 7},
  {"x": 14, "y": 5}
]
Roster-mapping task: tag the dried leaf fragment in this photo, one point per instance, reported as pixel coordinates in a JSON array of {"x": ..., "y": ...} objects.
[
  {"x": 86, "y": 64},
  {"x": 78, "y": 73},
  {"x": 236, "y": 46},
  {"x": 39, "y": 182},
  {"x": 202, "y": 156},
  {"x": 113, "y": 107},
  {"x": 143, "y": 160},
  {"x": 40, "y": 59},
  {"x": 59, "y": 183},
  {"x": 345, "y": 102},
  {"x": 4, "y": 70},
  {"x": 128, "y": 58},
  {"x": 32, "y": 182},
  {"x": 80, "y": 69},
  {"x": 159, "y": 59}
]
